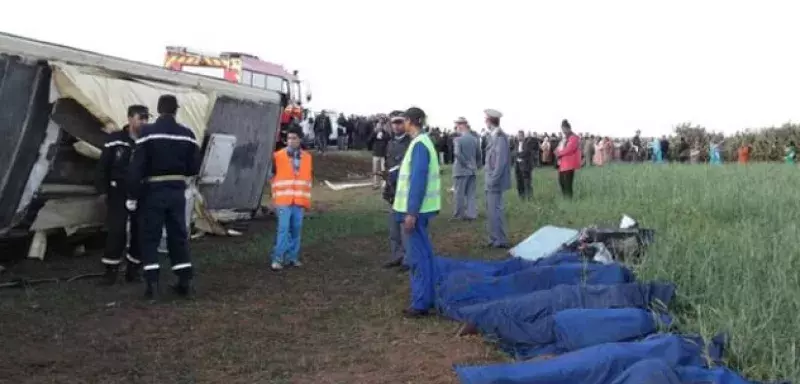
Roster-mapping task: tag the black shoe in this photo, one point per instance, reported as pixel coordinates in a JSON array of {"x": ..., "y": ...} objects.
[
  {"x": 182, "y": 289},
  {"x": 414, "y": 313},
  {"x": 109, "y": 277},
  {"x": 151, "y": 293},
  {"x": 501, "y": 246},
  {"x": 133, "y": 274},
  {"x": 393, "y": 264},
  {"x": 404, "y": 268}
]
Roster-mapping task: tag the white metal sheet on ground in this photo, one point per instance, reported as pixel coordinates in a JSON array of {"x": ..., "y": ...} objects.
[{"x": 543, "y": 242}]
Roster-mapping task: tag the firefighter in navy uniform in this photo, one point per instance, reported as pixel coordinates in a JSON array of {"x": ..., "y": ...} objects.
[
  {"x": 112, "y": 170},
  {"x": 167, "y": 155}
]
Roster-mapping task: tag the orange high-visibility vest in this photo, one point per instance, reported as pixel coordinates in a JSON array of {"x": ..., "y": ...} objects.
[{"x": 288, "y": 187}]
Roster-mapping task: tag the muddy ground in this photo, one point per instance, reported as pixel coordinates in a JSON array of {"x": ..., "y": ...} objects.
[{"x": 336, "y": 320}]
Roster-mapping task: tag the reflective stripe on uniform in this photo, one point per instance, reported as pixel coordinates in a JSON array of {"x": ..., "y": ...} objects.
[
  {"x": 163, "y": 136},
  {"x": 132, "y": 259},
  {"x": 286, "y": 183},
  {"x": 150, "y": 267},
  {"x": 156, "y": 179},
  {"x": 292, "y": 193},
  {"x": 110, "y": 261},
  {"x": 116, "y": 143},
  {"x": 181, "y": 266}
]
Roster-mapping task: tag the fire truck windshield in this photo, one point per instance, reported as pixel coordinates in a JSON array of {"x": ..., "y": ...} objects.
[
  {"x": 296, "y": 93},
  {"x": 264, "y": 81}
]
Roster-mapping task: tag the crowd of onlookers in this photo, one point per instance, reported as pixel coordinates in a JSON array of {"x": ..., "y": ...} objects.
[{"x": 373, "y": 132}]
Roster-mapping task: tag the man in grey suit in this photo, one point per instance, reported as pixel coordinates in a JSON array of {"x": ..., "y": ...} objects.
[
  {"x": 465, "y": 152},
  {"x": 498, "y": 178}
]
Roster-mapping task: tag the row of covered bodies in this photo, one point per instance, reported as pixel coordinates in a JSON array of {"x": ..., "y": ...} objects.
[{"x": 567, "y": 319}]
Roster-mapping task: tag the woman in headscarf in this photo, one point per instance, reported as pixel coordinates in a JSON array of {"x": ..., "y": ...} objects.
[
  {"x": 694, "y": 153},
  {"x": 790, "y": 153},
  {"x": 547, "y": 153},
  {"x": 655, "y": 147},
  {"x": 568, "y": 157},
  {"x": 715, "y": 152},
  {"x": 599, "y": 156}
]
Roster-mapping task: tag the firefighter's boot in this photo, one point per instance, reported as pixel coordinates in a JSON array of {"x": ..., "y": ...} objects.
[{"x": 110, "y": 276}]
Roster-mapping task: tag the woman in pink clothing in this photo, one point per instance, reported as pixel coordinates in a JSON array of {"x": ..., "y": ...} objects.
[
  {"x": 608, "y": 150},
  {"x": 599, "y": 156},
  {"x": 569, "y": 159}
]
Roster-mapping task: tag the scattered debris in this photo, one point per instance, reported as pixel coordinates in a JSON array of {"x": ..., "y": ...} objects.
[{"x": 343, "y": 186}]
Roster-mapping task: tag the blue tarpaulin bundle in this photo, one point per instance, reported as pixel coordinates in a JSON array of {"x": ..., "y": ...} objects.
[
  {"x": 600, "y": 364},
  {"x": 573, "y": 329},
  {"x": 446, "y": 265},
  {"x": 657, "y": 371},
  {"x": 465, "y": 287},
  {"x": 527, "y": 319},
  {"x": 593, "y": 323}
]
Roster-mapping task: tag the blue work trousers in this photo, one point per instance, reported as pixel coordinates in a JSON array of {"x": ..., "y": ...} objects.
[
  {"x": 290, "y": 226},
  {"x": 419, "y": 255},
  {"x": 164, "y": 206}
]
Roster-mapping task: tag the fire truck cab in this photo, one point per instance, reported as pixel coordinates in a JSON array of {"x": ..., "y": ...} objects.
[
  {"x": 242, "y": 68},
  {"x": 249, "y": 70}
]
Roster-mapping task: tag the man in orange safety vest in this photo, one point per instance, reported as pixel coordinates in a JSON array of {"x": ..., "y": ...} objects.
[{"x": 291, "y": 197}]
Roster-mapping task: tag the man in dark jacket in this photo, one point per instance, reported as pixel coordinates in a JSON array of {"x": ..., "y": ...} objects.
[
  {"x": 322, "y": 131},
  {"x": 524, "y": 158},
  {"x": 166, "y": 158},
  {"x": 378, "y": 143},
  {"x": 395, "y": 151},
  {"x": 112, "y": 170},
  {"x": 343, "y": 129}
]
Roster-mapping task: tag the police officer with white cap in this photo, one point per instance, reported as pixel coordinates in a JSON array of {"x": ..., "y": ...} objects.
[{"x": 498, "y": 178}]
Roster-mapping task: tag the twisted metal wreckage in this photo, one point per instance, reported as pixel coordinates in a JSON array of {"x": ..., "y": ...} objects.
[{"x": 58, "y": 102}]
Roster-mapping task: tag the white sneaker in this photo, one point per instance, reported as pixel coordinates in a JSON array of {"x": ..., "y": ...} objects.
[
  {"x": 276, "y": 266},
  {"x": 296, "y": 264}
]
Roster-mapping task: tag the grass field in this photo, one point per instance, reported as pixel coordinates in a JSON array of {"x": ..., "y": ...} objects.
[{"x": 727, "y": 236}]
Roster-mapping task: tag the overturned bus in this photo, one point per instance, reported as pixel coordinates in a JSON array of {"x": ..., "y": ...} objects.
[{"x": 57, "y": 104}]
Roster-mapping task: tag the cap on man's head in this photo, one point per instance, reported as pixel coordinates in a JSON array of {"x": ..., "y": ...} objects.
[
  {"x": 493, "y": 113},
  {"x": 416, "y": 115},
  {"x": 461, "y": 120},
  {"x": 167, "y": 104},
  {"x": 138, "y": 109},
  {"x": 396, "y": 116}
]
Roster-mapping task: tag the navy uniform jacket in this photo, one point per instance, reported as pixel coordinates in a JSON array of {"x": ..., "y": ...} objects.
[
  {"x": 395, "y": 151},
  {"x": 164, "y": 148},
  {"x": 112, "y": 168}
]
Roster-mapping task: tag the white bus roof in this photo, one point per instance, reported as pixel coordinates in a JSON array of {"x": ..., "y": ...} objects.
[{"x": 35, "y": 49}]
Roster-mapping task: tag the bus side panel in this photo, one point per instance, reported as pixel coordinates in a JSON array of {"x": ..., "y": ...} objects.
[
  {"x": 24, "y": 113},
  {"x": 254, "y": 125}
]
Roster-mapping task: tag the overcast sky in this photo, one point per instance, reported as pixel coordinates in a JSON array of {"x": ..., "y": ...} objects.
[{"x": 608, "y": 66}]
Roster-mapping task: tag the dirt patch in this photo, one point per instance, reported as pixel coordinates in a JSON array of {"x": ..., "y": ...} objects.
[
  {"x": 334, "y": 321},
  {"x": 341, "y": 166}
]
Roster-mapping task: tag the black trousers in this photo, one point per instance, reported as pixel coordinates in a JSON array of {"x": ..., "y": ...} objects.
[
  {"x": 565, "y": 180},
  {"x": 524, "y": 182},
  {"x": 164, "y": 206},
  {"x": 117, "y": 223}
]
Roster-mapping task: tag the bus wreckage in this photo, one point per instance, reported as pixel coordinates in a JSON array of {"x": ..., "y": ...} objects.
[{"x": 57, "y": 104}]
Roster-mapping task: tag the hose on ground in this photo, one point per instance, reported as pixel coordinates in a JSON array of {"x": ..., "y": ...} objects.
[{"x": 23, "y": 282}]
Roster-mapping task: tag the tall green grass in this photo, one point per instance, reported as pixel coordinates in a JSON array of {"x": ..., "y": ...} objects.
[{"x": 726, "y": 235}]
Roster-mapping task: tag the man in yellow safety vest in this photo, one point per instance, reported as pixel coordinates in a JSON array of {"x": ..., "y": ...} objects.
[{"x": 417, "y": 200}]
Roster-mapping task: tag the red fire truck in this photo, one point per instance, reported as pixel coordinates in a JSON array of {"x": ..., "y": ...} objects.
[{"x": 248, "y": 70}]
